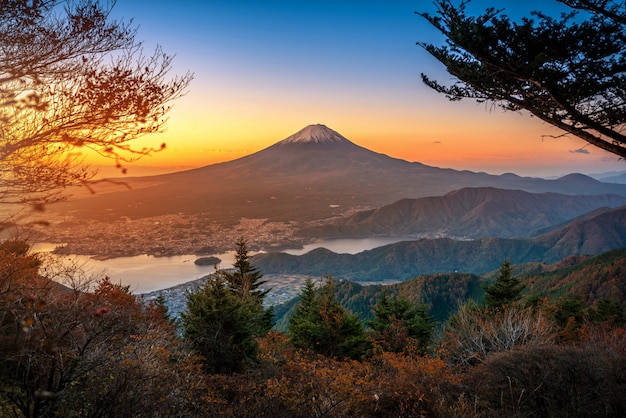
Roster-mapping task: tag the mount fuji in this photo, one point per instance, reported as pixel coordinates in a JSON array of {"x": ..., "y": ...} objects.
[
  {"x": 316, "y": 134},
  {"x": 314, "y": 174}
]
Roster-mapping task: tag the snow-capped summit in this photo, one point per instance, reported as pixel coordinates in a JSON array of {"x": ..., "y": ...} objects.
[{"x": 317, "y": 134}]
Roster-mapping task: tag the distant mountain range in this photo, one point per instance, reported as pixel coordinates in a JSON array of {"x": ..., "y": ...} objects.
[
  {"x": 591, "y": 234},
  {"x": 314, "y": 174},
  {"x": 610, "y": 176},
  {"x": 619, "y": 178},
  {"x": 468, "y": 213}
]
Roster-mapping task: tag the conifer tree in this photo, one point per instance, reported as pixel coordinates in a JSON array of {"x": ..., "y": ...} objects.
[
  {"x": 322, "y": 325},
  {"x": 245, "y": 280},
  {"x": 304, "y": 328},
  {"x": 216, "y": 325},
  {"x": 159, "y": 308},
  {"x": 399, "y": 322},
  {"x": 505, "y": 289},
  {"x": 609, "y": 311},
  {"x": 226, "y": 315}
]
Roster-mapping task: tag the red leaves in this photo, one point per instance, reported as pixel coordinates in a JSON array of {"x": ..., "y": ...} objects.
[{"x": 101, "y": 311}]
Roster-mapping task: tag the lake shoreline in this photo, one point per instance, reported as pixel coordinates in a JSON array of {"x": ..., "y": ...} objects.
[{"x": 147, "y": 273}]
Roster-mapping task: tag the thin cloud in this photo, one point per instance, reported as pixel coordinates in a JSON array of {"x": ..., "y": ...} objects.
[{"x": 579, "y": 151}]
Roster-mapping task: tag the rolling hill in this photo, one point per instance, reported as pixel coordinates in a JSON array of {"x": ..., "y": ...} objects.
[
  {"x": 442, "y": 293},
  {"x": 589, "y": 278},
  {"x": 589, "y": 235}
]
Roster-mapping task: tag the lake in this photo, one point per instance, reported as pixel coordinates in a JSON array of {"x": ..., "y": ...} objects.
[
  {"x": 349, "y": 245},
  {"x": 146, "y": 273}
]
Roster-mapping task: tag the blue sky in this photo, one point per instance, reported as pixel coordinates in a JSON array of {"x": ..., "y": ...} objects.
[{"x": 265, "y": 69}]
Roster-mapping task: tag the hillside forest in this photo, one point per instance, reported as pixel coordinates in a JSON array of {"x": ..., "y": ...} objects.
[{"x": 526, "y": 340}]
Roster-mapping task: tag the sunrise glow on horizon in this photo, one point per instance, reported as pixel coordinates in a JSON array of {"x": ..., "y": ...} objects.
[{"x": 265, "y": 70}]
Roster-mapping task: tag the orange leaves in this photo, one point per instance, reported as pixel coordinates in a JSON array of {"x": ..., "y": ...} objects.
[
  {"x": 115, "y": 293},
  {"x": 94, "y": 352},
  {"x": 73, "y": 77},
  {"x": 27, "y": 323},
  {"x": 388, "y": 384},
  {"x": 322, "y": 385}
]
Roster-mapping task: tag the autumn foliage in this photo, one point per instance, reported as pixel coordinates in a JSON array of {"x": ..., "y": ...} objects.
[
  {"x": 73, "y": 353},
  {"x": 99, "y": 351}
]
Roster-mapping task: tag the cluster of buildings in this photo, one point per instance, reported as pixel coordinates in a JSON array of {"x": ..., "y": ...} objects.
[{"x": 167, "y": 235}]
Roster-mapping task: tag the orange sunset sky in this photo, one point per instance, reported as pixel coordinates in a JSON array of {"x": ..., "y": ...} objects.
[{"x": 264, "y": 70}]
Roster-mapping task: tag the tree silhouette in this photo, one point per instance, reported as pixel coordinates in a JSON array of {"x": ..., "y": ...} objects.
[
  {"x": 71, "y": 79},
  {"x": 568, "y": 71},
  {"x": 245, "y": 280},
  {"x": 505, "y": 289}
]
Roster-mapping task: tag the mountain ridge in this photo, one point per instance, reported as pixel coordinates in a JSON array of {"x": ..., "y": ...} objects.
[
  {"x": 300, "y": 181},
  {"x": 589, "y": 278},
  {"x": 468, "y": 213},
  {"x": 403, "y": 260}
]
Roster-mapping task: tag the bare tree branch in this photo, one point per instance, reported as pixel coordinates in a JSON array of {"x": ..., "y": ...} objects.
[{"x": 71, "y": 79}]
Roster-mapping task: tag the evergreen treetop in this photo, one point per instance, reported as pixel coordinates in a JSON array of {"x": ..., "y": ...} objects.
[
  {"x": 505, "y": 289},
  {"x": 399, "y": 322},
  {"x": 320, "y": 324},
  {"x": 245, "y": 280}
]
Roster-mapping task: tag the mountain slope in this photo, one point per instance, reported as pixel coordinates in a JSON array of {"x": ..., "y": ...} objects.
[
  {"x": 621, "y": 179},
  {"x": 404, "y": 260},
  {"x": 595, "y": 235},
  {"x": 442, "y": 293},
  {"x": 590, "y": 278},
  {"x": 469, "y": 213},
  {"x": 314, "y": 174}
]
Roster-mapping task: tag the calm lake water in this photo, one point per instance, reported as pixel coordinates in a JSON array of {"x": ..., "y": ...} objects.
[
  {"x": 145, "y": 273},
  {"x": 349, "y": 245}
]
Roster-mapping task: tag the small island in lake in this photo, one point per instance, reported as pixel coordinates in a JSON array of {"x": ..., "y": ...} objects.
[{"x": 207, "y": 261}]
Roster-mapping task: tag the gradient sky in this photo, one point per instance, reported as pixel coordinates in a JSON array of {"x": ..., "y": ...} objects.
[{"x": 266, "y": 69}]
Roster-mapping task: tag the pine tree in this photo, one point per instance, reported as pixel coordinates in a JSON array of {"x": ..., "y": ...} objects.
[
  {"x": 246, "y": 279},
  {"x": 322, "y": 325},
  {"x": 566, "y": 70},
  {"x": 505, "y": 289},
  {"x": 159, "y": 308},
  {"x": 608, "y": 311},
  {"x": 304, "y": 327},
  {"x": 226, "y": 315},
  {"x": 399, "y": 322},
  {"x": 215, "y": 326}
]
